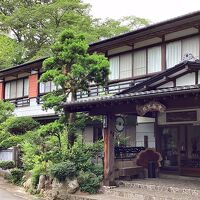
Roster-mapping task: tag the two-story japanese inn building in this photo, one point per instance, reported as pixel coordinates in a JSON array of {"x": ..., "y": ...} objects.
[{"x": 152, "y": 98}]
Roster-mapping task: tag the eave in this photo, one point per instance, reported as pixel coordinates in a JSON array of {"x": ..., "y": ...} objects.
[
  {"x": 151, "y": 31},
  {"x": 25, "y": 67}
]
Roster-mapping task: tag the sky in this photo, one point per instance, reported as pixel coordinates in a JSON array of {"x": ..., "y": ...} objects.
[{"x": 154, "y": 10}]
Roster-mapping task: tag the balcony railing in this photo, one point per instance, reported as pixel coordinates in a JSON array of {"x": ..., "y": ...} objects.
[
  {"x": 22, "y": 102},
  {"x": 39, "y": 99},
  {"x": 112, "y": 88}
]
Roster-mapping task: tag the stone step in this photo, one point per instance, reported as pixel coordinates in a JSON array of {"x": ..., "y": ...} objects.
[
  {"x": 142, "y": 194},
  {"x": 95, "y": 197},
  {"x": 169, "y": 186}
]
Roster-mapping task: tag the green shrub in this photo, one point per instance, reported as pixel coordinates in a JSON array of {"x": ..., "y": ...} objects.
[
  {"x": 97, "y": 169},
  {"x": 4, "y": 135},
  {"x": 89, "y": 182},
  {"x": 20, "y": 125},
  {"x": 63, "y": 170},
  {"x": 38, "y": 170},
  {"x": 7, "y": 164},
  {"x": 10, "y": 142},
  {"x": 16, "y": 175}
]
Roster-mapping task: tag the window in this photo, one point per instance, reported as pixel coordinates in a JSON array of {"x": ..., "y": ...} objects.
[
  {"x": 191, "y": 45},
  {"x": 125, "y": 66},
  {"x": 16, "y": 89},
  {"x": 114, "y": 68},
  {"x": 139, "y": 63},
  {"x": 47, "y": 87},
  {"x": 154, "y": 59},
  {"x": 176, "y": 50},
  {"x": 173, "y": 54}
]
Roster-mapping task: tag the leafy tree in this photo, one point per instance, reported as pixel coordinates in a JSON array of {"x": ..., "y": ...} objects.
[
  {"x": 109, "y": 27},
  {"x": 20, "y": 125},
  {"x": 52, "y": 129},
  {"x": 35, "y": 24},
  {"x": 11, "y": 52},
  {"x": 7, "y": 109},
  {"x": 71, "y": 68}
]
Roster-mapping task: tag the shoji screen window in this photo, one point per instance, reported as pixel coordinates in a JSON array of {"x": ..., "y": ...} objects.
[
  {"x": 16, "y": 89},
  {"x": 114, "y": 68},
  {"x": 173, "y": 53},
  {"x": 191, "y": 45},
  {"x": 139, "y": 63},
  {"x": 154, "y": 59},
  {"x": 126, "y": 65}
]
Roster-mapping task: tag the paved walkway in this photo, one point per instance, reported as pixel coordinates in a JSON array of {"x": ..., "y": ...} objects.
[{"x": 12, "y": 192}]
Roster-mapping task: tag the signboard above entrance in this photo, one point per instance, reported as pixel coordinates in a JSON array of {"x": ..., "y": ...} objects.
[{"x": 152, "y": 106}]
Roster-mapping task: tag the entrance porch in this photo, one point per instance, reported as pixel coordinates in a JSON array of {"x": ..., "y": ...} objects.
[{"x": 172, "y": 98}]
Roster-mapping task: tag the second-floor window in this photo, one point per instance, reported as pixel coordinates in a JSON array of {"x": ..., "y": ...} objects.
[
  {"x": 47, "y": 87},
  {"x": 16, "y": 88},
  {"x": 176, "y": 50},
  {"x": 137, "y": 63}
]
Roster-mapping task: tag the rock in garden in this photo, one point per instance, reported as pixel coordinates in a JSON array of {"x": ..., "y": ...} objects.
[
  {"x": 41, "y": 184},
  {"x": 73, "y": 186}
]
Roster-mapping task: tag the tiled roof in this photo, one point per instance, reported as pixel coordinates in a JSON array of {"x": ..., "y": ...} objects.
[{"x": 136, "y": 95}]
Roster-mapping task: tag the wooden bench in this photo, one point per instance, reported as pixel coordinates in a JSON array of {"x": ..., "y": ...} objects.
[{"x": 125, "y": 163}]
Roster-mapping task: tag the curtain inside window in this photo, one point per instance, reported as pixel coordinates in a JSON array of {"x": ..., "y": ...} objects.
[
  {"x": 42, "y": 86},
  {"x": 7, "y": 90},
  {"x": 139, "y": 63},
  {"x": 114, "y": 68},
  {"x": 53, "y": 86},
  {"x": 48, "y": 86},
  {"x": 191, "y": 45},
  {"x": 154, "y": 59},
  {"x": 173, "y": 54},
  {"x": 26, "y": 87},
  {"x": 126, "y": 65},
  {"x": 13, "y": 90},
  {"x": 20, "y": 88}
]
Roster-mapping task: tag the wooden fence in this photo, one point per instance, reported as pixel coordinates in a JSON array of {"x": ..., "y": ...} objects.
[{"x": 11, "y": 154}]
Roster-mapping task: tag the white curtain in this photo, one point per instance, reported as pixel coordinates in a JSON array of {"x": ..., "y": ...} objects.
[
  {"x": 154, "y": 59},
  {"x": 20, "y": 88},
  {"x": 139, "y": 63},
  {"x": 7, "y": 90},
  {"x": 191, "y": 45},
  {"x": 126, "y": 65},
  {"x": 13, "y": 90},
  {"x": 48, "y": 86},
  {"x": 173, "y": 54},
  {"x": 26, "y": 87},
  {"x": 114, "y": 68},
  {"x": 42, "y": 86},
  {"x": 53, "y": 86}
]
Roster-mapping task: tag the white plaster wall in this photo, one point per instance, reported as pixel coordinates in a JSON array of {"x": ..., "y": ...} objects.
[
  {"x": 34, "y": 110},
  {"x": 182, "y": 33},
  {"x": 119, "y": 50},
  {"x": 167, "y": 85},
  {"x": 145, "y": 129},
  {"x": 188, "y": 79}
]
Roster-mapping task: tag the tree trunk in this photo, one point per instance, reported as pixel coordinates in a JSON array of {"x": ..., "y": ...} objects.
[{"x": 71, "y": 125}]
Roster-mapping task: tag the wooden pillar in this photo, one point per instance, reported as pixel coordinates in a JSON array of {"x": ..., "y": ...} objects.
[
  {"x": 108, "y": 134},
  {"x": 163, "y": 54}
]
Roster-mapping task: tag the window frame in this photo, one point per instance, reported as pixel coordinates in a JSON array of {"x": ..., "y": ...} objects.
[{"x": 16, "y": 80}]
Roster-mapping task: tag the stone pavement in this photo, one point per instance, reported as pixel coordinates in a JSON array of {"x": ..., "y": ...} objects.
[{"x": 12, "y": 192}]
